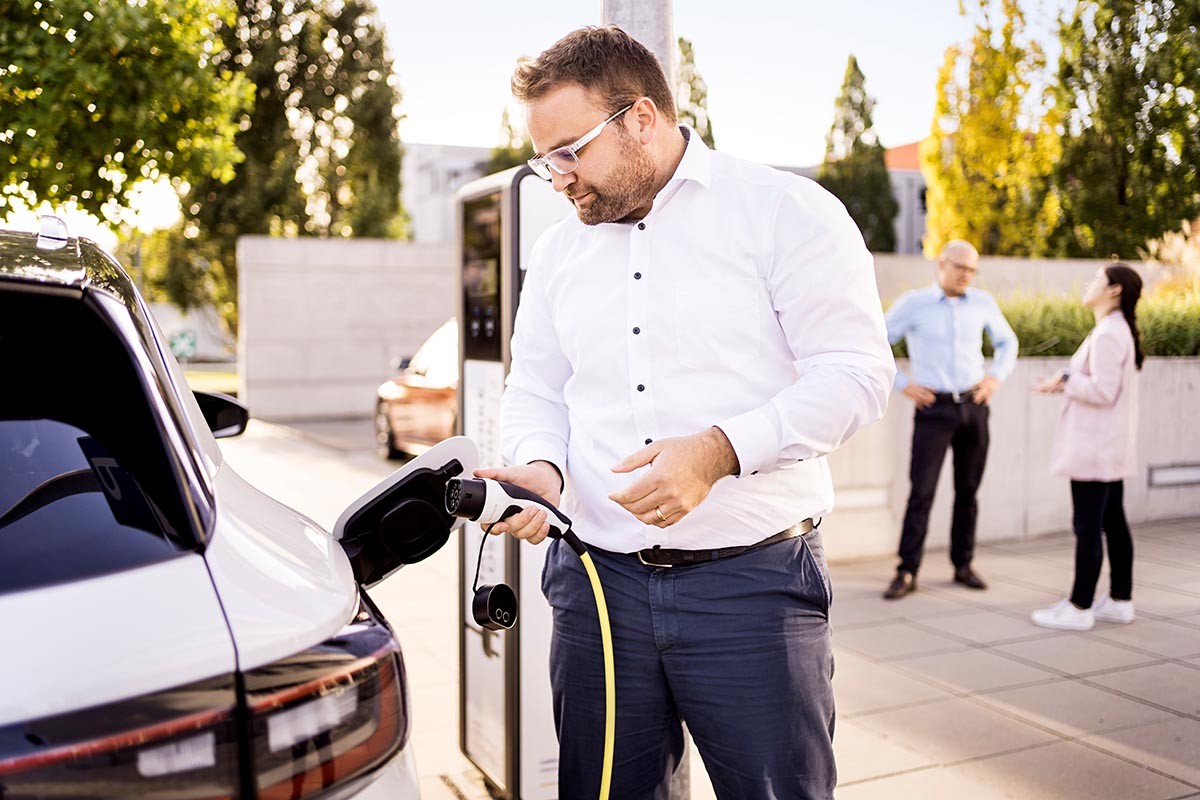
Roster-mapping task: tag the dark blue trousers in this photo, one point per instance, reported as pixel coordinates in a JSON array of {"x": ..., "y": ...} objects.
[{"x": 738, "y": 648}]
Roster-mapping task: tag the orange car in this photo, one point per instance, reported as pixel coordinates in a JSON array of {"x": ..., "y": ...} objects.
[{"x": 419, "y": 407}]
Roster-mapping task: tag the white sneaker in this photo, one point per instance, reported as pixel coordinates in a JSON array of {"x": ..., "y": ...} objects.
[
  {"x": 1064, "y": 616},
  {"x": 1108, "y": 610}
]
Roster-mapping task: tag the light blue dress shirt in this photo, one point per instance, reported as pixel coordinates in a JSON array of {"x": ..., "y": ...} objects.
[{"x": 944, "y": 336}]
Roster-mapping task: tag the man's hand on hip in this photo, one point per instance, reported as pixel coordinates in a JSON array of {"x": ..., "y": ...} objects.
[
  {"x": 682, "y": 471},
  {"x": 921, "y": 396},
  {"x": 541, "y": 478},
  {"x": 984, "y": 390}
]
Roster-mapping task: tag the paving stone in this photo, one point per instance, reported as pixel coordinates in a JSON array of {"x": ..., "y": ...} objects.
[
  {"x": 893, "y": 640},
  {"x": 1072, "y": 708},
  {"x": 953, "y": 730},
  {"x": 1173, "y": 686},
  {"x": 1071, "y": 770},
  {"x": 1172, "y": 747},
  {"x": 1162, "y": 637},
  {"x": 1074, "y": 653},
  {"x": 974, "y": 670}
]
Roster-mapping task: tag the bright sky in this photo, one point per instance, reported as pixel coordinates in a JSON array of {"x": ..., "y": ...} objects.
[{"x": 773, "y": 67}]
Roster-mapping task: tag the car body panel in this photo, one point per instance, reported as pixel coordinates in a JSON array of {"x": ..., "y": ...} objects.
[
  {"x": 110, "y": 638},
  {"x": 284, "y": 582}
]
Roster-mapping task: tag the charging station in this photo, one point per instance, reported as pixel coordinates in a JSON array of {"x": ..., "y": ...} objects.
[{"x": 506, "y": 722}]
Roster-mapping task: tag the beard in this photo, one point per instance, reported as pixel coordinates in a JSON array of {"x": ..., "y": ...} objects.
[{"x": 630, "y": 186}]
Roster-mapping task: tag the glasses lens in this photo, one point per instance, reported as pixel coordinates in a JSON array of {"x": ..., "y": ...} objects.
[{"x": 562, "y": 160}]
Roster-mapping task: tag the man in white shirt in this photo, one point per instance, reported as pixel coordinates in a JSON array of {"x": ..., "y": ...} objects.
[{"x": 686, "y": 351}]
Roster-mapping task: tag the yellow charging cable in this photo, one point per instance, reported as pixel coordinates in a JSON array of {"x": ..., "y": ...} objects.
[{"x": 610, "y": 676}]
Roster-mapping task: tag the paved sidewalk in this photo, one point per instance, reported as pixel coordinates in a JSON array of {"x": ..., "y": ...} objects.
[{"x": 950, "y": 693}]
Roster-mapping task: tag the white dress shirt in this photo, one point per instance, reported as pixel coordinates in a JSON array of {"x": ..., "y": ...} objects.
[{"x": 745, "y": 299}]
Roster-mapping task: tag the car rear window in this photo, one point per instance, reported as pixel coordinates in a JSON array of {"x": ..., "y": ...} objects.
[{"x": 86, "y": 486}]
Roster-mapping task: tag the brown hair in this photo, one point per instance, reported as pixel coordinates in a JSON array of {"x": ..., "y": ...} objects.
[
  {"x": 607, "y": 62},
  {"x": 1130, "y": 282}
]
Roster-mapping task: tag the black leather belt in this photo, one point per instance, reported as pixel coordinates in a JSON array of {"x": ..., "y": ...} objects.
[
  {"x": 958, "y": 398},
  {"x": 664, "y": 557}
]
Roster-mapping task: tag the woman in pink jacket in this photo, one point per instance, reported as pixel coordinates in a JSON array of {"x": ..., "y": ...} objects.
[{"x": 1094, "y": 446}]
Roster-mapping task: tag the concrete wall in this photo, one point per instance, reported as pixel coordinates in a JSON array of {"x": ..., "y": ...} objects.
[
  {"x": 320, "y": 320},
  {"x": 1001, "y": 276},
  {"x": 1019, "y": 497}
]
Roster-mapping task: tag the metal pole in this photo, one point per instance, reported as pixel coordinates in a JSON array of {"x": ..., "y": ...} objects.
[{"x": 650, "y": 22}]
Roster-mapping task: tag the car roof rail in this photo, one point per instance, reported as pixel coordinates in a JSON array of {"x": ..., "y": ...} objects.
[{"x": 52, "y": 232}]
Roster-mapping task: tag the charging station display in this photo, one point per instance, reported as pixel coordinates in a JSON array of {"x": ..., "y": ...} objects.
[{"x": 505, "y": 712}]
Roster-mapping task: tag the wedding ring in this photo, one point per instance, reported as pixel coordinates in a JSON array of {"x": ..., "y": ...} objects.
[{"x": 658, "y": 511}]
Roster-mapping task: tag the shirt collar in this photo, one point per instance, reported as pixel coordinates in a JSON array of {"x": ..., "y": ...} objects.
[
  {"x": 940, "y": 294},
  {"x": 696, "y": 164}
]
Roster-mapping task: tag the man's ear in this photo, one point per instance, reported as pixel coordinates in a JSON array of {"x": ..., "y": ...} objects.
[{"x": 646, "y": 118}]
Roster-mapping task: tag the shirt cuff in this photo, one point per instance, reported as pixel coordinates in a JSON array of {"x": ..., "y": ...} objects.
[
  {"x": 542, "y": 448},
  {"x": 901, "y": 382},
  {"x": 755, "y": 440}
]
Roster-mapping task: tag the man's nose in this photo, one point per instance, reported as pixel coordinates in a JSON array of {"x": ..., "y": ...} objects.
[{"x": 560, "y": 182}]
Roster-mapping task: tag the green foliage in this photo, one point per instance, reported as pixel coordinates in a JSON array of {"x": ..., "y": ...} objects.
[
  {"x": 992, "y": 146},
  {"x": 514, "y": 148},
  {"x": 1129, "y": 79},
  {"x": 95, "y": 94},
  {"x": 321, "y": 145},
  {"x": 854, "y": 167},
  {"x": 691, "y": 94},
  {"x": 1056, "y": 326}
]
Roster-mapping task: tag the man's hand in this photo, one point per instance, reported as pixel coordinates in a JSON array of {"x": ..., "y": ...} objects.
[
  {"x": 682, "y": 471},
  {"x": 983, "y": 391},
  {"x": 541, "y": 478},
  {"x": 921, "y": 396}
]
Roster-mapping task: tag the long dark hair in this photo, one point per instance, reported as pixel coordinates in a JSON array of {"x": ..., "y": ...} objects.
[{"x": 1130, "y": 282}]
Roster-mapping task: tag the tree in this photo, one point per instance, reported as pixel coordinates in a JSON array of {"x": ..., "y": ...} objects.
[
  {"x": 322, "y": 150},
  {"x": 691, "y": 94},
  {"x": 514, "y": 148},
  {"x": 990, "y": 154},
  {"x": 854, "y": 167},
  {"x": 95, "y": 95},
  {"x": 1129, "y": 78}
]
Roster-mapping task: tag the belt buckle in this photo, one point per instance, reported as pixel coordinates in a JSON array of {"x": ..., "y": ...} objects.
[{"x": 643, "y": 560}]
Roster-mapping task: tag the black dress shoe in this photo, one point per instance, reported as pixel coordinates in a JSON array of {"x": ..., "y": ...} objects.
[
  {"x": 904, "y": 583},
  {"x": 967, "y": 577}
]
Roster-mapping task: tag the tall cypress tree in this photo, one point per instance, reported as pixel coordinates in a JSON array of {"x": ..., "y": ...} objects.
[
  {"x": 1129, "y": 81},
  {"x": 854, "y": 167}
]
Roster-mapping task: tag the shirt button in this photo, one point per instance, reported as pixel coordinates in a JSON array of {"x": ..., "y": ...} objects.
[
  {"x": 641, "y": 387},
  {"x": 648, "y": 441},
  {"x": 637, "y": 330},
  {"x": 641, "y": 226},
  {"x": 637, "y": 276}
]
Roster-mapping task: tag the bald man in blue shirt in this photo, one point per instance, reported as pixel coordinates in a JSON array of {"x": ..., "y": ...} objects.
[{"x": 943, "y": 326}]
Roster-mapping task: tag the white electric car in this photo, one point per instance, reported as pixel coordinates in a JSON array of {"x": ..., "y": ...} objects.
[{"x": 166, "y": 630}]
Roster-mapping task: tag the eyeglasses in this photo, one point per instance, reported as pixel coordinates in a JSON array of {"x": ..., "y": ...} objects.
[{"x": 565, "y": 159}]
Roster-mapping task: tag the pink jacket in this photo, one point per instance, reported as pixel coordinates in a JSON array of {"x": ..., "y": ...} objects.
[{"x": 1097, "y": 428}]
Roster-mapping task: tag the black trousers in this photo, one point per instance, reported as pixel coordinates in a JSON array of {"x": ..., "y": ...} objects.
[
  {"x": 1100, "y": 507},
  {"x": 964, "y": 428}
]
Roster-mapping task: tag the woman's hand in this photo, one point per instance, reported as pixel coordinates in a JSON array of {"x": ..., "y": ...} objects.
[{"x": 1051, "y": 384}]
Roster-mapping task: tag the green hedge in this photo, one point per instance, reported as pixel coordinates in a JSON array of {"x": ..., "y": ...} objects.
[{"x": 1055, "y": 326}]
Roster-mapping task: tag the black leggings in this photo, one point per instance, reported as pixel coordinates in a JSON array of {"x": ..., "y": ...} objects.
[{"x": 1099, "y": 506}]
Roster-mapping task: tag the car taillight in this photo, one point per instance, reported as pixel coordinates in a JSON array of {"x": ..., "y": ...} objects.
[
  {"x": 329, "y": 715},
  {"x": 180, "y": 743}
]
